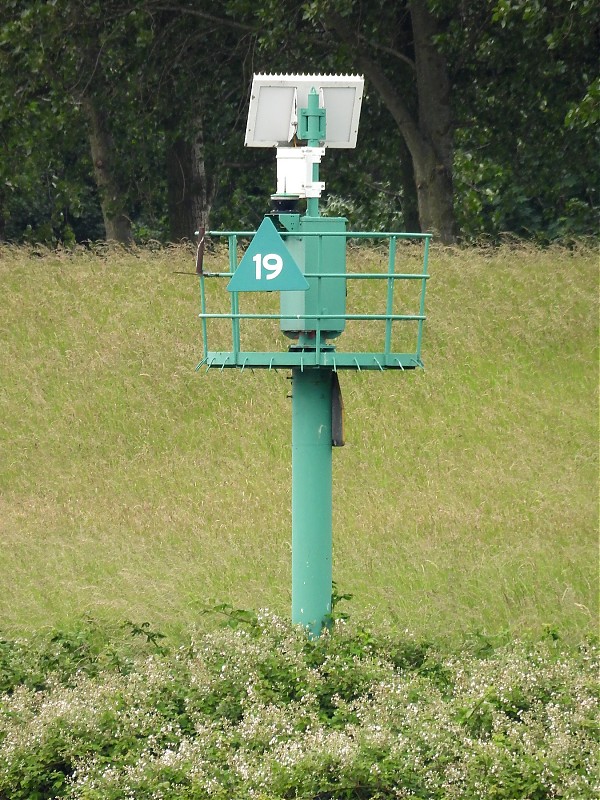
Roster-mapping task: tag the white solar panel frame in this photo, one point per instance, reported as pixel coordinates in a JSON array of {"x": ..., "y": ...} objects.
[{"x": 275, "y": 100}]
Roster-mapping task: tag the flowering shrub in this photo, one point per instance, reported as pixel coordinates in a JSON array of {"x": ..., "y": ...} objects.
[{"x": 260, "y": 711}]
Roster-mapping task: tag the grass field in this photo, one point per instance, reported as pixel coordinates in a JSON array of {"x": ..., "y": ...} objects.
[{"x": 132, "y": 487}]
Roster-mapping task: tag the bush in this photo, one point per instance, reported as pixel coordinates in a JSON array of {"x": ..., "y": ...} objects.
[{"x": 258, "y": 710}]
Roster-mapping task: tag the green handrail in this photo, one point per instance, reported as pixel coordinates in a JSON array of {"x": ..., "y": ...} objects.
[{"x": 391, "y": 360}]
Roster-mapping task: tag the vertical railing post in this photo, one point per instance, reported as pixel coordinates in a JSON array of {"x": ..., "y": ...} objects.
[
  {"x": 422, "y": 296},
  {"x": 390, "y": 297},
  {"x": 235, "y": 303},
  {"x": 203, "y": 317}
]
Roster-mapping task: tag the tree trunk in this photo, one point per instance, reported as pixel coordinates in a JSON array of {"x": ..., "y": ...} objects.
[
  {"x": 2, "y": 218},
  {"x": 410, "y": 204},
  {"x": 189, "y": 194},
  {"x": 428, "y": 134},
  {"x": 433, "y": 166},
  {"x": 434, "y": 194},
  {"x": 117, "y": 225}
]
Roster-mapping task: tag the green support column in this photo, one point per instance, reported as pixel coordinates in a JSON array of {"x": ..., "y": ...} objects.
[
  {"x": 311, "y": 498},
  {"x": 312, "y": 128},
  {"x": 311, "y": 452}
]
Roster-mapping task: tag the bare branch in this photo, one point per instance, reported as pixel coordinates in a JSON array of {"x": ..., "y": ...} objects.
[
  {"x": 389, "y": 93},
  {"x": 392, "y": 51},
  {"x": 194, "y": 12}
]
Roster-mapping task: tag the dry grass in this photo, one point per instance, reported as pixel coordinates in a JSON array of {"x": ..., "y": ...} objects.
[{"x": 132, "y": 487}]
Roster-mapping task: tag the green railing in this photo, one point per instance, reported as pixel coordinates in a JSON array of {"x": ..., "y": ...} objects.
[{"x": 323, "y": 354}]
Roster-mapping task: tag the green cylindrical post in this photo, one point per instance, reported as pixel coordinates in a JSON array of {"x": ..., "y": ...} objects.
[
  {"x": 315, "y": 129},
  {"x": 311, "y": 498},
  {"x": 311, "y": 452}
]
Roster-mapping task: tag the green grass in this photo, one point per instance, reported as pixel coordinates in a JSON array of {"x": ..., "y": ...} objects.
[{"x": 132, "y": 487}]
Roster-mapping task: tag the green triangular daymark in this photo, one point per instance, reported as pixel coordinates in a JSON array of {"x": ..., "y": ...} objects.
[{"x": 267, "y": 265}]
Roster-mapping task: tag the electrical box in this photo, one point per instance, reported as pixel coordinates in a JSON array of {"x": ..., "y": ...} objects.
[{"x": 326, "y": 296}]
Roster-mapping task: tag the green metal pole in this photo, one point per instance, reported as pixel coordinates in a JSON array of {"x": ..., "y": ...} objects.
[
  {"x": 311, "y": 453},
  {"x": 314, "y": 130},
  {"x": 311, "y": 498}
]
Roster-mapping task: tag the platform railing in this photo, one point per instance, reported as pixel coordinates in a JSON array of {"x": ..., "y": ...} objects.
[{"x": 321, "y": 355}]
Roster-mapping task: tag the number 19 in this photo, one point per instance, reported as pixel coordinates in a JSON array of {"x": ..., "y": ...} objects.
[{"x": 271, "y": 263}]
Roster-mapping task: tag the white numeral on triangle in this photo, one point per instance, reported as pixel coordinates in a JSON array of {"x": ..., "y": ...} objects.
[{"x": 271, "y": 263}]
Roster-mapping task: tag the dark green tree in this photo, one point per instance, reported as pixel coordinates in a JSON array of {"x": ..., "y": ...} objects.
[
  {"x": 193, "y": 81},
  {"x": 525, "y": 77},
  {"x": 46, "y": 190},
  {"x": 129, "y": 115},
  {"x": 393, "y": 45},
  {"x": 58, "y": 60}
]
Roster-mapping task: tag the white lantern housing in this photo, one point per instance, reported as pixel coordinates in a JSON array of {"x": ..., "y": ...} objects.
[{"x": 295, "y": 171}]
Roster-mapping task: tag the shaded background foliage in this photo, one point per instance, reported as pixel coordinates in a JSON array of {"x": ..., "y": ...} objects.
[
  {"x": 163, "y": 86},
  {"x": 524, "y": 164}
]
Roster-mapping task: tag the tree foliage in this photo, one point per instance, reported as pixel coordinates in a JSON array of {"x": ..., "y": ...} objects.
[
  {"x": 46, "y": 185},
  {"x": 527, "y": 157},
  {"x": 128, "y": 115}
]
